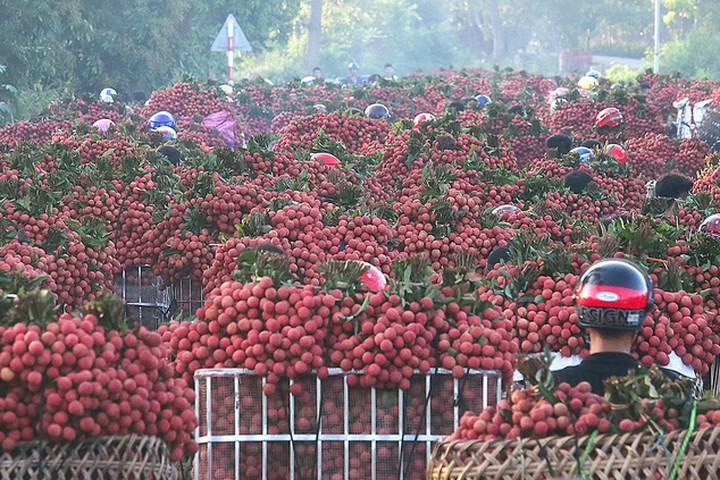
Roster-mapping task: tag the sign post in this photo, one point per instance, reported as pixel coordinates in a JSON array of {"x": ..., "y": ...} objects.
[
  {"x": 230, "y": 52},
  {"x": 656, "y": 56},
  {"x": 230, "y": 39}
]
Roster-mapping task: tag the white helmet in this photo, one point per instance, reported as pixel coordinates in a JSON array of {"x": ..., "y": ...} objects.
[{"x": 106, "y": 95}]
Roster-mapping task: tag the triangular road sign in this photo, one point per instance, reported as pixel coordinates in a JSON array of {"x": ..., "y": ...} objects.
[{"x": 240, "y": 42}]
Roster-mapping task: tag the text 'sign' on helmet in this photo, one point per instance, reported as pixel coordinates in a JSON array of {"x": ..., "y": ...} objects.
[{"x": 614, "y": 294}]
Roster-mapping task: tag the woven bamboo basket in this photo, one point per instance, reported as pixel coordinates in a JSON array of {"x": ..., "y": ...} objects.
[
  {"x": 121, "y": 457},
  {"x": 628, "y": 456}
]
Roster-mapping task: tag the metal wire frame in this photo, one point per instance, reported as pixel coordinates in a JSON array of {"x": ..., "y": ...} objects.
[{"x": 491, "y": 379}]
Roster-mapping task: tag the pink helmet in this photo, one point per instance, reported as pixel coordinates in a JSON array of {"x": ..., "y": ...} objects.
[
  {"x": 373, "y": 279},
  {"x": 328, "y": 159},
  {"x": 103, "y": 124},
  {"x": 422, "y": 117}
]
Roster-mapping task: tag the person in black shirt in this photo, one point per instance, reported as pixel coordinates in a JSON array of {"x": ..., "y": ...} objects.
[
  {"x": 558, "y": 145},
  {"x": 673, "y": 187},
  {"x": 612, "y": 299},
  {"x": 577, "y": 181}
]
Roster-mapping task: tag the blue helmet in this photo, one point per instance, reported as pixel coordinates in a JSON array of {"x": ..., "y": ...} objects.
[
  {"x": 482, "y": 99},
  {"x": 594, "y": 74},
  {"x": 584, "y": 153},
  {"x": 161, "y": 119}
]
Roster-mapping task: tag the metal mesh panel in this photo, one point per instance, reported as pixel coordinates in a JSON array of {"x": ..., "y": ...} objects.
[
  {"x": 147, "y": 303},
  {"x": 415, "y": 460},
  {"x": 359, "y": 409},
  {"x": 360, "y": 463},
  {"x": 365, "y": 433},
  {"x": 333, "y": 413},
  {"x": 250, "y": 464},
  {"x": 388, "y": 411},
  {"x": 223, "y": 406},
  {"x": 306, "y": 405},
  {"x": 187, "y": 296},
  {"x": 250, "y": 405},
  {"x": 442, "y": 405},
  {"x": 333, "y": 460},
  {"x": 388, "y": 456}
]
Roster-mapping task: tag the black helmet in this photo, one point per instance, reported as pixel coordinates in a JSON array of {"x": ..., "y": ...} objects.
[
  {"x": 613, "y": 294},
  {"x": 377, "y": 110}
]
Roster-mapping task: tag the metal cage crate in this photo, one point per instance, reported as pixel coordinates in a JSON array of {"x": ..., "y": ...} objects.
[
  {"x": 332, "y": 430},
  {"x": 147, "y": 304}
]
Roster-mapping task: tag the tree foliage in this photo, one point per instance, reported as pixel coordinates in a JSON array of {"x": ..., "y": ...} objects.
[
  {"x": 130, "y": 45},
  {"x": 85, "y": 45},
  {"x": 694, "y": 42}
]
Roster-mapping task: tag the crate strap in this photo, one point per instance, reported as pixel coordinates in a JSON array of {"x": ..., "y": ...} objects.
[
  {"x": 586, "y": 452},
  {"x": 684, "y": 445}
]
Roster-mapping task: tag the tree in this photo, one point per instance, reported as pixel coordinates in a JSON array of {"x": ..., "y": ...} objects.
[
  {"x": 7, "y": 94},
  {"x": 314, "y": 38},
  {"x": 694, "y": 43},
  {"x": 37, "y": 40},
  {"x": 137, "y": 47}
]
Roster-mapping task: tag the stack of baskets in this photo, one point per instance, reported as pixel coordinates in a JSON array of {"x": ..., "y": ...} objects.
[
  {"x": 645, "y": 455},
  {"x": 121, "y": 457}
]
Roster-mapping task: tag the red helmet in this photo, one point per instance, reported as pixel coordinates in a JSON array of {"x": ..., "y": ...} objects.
[
  {"x": 328, "y": 159},
  {"x": 373, "y": 279},
  {"x": 711, "y": 225},
  {"x": 609, "y": 117},
  {"x": 422, "y": 117},
  {"x": 613, "y": 294},
  {"x": 615, "y": 150}
]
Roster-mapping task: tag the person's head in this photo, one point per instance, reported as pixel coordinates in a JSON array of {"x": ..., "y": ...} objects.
[
  {"x": 389, "y": 70},
  {"x": 171, "y": 153},
  {"x": 317, "y": 73},
  {"x": 139, "y": 97},
  {"x": 498, "y": 255},
  {"x": 517, "y": 109},
  {"x": 673, "y": 185},
  {"x": 558, "y": 144},
  {"x": 612, "y": 299},
  {"x": 456, "y": 106},
  {"x": 353, "y": 69},
  {"x": 577, "y": 181},
  {"x": 620, "y": 217}
]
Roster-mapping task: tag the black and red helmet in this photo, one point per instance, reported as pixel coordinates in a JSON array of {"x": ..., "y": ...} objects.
[
  {"x": 613, "y": 294},
  {"x": 711, "y": 225}
]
